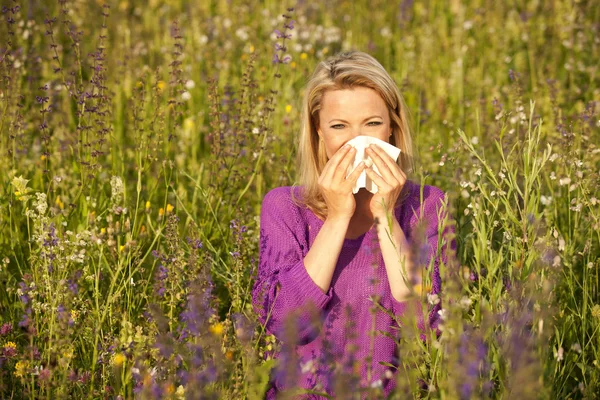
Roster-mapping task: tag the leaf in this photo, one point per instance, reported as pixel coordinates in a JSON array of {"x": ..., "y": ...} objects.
[{"x": 260, "y": 380}]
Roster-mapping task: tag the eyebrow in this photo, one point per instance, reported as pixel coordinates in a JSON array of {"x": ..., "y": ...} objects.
[{"x": 366, "y": 119}]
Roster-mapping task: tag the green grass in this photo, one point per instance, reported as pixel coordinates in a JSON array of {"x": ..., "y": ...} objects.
[{"x": 149, "y": 136}]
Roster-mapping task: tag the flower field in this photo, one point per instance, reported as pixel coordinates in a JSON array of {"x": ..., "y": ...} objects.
[{"x": 138, "y": 139}]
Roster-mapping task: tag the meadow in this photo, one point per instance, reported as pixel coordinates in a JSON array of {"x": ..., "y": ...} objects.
[{"x": 137, "y": 140}]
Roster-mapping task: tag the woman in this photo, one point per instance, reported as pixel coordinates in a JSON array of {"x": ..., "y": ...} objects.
[{"x": 326, "y": 254}]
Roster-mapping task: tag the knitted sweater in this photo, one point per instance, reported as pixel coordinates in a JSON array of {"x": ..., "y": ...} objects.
[{"x": 320, "y": 331}]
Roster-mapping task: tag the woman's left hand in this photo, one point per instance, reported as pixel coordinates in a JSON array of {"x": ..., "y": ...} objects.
[{"x": 389, "y": 181}]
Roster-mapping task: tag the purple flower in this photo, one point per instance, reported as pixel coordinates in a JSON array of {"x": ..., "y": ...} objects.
[
  {"x": 282, "y": 35},
  {"x": 6, "y": 329}
]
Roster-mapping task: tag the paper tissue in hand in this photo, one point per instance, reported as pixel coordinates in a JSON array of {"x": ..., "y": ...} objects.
[{"x": 360, "y": 143}]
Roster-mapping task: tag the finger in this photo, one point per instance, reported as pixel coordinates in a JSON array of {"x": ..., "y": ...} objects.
[
  {"x": 342, "y": 169},
  {"x": 393, "y": 167},
  {"x": 333, "y": 163},
  {"x": 379, "y": 159},
  {"x": 353, "y": 177},
  {"x": 377, "y": 179}
]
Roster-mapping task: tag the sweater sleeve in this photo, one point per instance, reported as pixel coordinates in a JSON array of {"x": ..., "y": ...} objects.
[
  {"x": 432, "y": 248},
  {"x": 283, "y": 292}
]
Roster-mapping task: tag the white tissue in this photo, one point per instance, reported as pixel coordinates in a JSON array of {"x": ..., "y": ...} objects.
[{"x": 360, "y": 143}]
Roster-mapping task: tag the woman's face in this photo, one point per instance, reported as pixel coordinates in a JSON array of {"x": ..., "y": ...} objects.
[{"x": 348, "y": 113}]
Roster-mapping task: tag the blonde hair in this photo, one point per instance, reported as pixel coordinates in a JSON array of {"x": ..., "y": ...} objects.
[{"x": 344, "y": 71}]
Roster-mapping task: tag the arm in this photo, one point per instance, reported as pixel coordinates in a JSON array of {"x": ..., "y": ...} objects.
[
  {"x": 431, "y": 247},
  {"x": 292, "y": 278},
  {"x": 283, "y": 285}
]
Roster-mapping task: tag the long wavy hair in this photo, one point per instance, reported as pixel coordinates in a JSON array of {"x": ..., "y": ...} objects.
[{"x": 345, "y": 71}]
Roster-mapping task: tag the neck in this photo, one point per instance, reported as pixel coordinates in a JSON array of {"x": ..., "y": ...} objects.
[{"x": 363, "y": 200}]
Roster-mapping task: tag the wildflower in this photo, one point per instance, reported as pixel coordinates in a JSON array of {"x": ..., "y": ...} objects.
[
  {"x": 59, "y": 203},
  {"x": 559, "y": 355},
  {"x": 160, "y": 85},
  {"x": 190, "y": 84},
  {"x": 216, "y": 329},
  {"x": 564, "y": 181},
  {"x": 5, "y": 329},
  {"x": 10, "y": 349},
  {"x": 170, "y": 209},
  {"x": 596, "y": 311},
  {"x": 74, "y": 315},
  {"x": 303, "y": 56},
  {"x": 546, "y": 200},
  {"x": 180, "y": 393},
  {"x": 21, "y": 189},
  {"x": 185, "y": 96},
  {"x": 21, "y": 368},
  {"x": 117, "y": 188},
  {"x": 118, "y": 359},
  {"x": 161, "y": 212}
]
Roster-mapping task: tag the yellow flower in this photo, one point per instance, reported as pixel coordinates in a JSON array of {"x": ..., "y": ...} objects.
[
  {"x": 303, "y": 56},
  {"x": 59, "y": 203},
  {"x": 169, "y": 388},
  {"x": 102, "y": 231},
  {"x": 325, "y": 50},
  {"x": 122, "y": 248},
  {"x": 161, "y": 212},
  {"x": 74, "y": 315},
  {"x": 216, "y": 329},
  {"x": 170, "y": 209},
  {"x": 147, "y": 205},
  {"x": 180, "y": 393},
  {"x": 160, "y": 85},
  {"x": 288, "y": 108},
  {"x": 251, "y": 49},
  {"x": 42, "y": 157},
  {"x": 293, "y": 64},
  {"x": 118, "y": 359},
  {"x": 10, "y": 346},
  {"x": 420, "y": 289},
  {"x": 21, "y": 368}
]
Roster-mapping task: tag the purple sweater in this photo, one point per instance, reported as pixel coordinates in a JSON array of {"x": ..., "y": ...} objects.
[{"x": 333, "y": 328}]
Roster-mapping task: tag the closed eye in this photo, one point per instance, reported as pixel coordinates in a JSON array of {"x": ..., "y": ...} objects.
[{"x": 375, "y": 123}]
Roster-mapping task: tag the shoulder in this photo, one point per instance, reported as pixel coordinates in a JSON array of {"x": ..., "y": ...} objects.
[
  {"x": 283, "y": 196},
  {"x": 284, "y": 202}
]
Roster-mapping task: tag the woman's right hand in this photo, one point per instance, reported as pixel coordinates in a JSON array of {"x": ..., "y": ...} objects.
[{"x": 335, "y": 187}]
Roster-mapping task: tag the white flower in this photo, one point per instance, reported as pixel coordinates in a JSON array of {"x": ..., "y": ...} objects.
[
  {"x": 576, "y": 347},
  {"x": 306, "y": 367},
  {"x": 546, "y": 200},
  {"x": 467, "y": 25},
  {"x": 377, "y": 384},
  {"x": 478, "y": 172},
  {"x": 443, "y": 313},
  {"x": 190, "y": 84},
  {"x": 559, "y": 354},
  {"x": 40, "y": 204},
  {"x": 255, "y": 131},
  {"x": 433, "y": 299},
  {"x": 564, "y": 181},
  {"x": 556, "y": 261},
  {"x": 475, "y": 140},
  {"x": 185, "y": 96}
]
